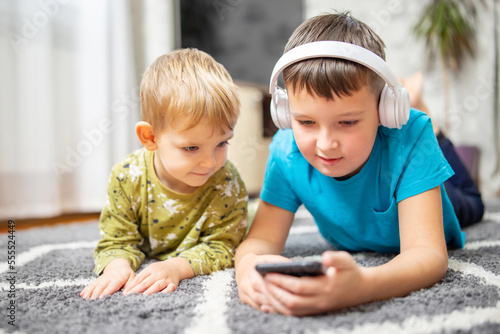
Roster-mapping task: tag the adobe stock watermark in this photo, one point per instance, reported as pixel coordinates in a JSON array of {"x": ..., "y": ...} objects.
[
  {"x": 249, "y": 154},
  {"x": 11, "y": 277},
  {"x": 382, "y": 18},
  {"x": 483, "y": 91},
  {"x": 30, "y": 26},
  {"x": 222, "y": 7},
  {"x": 75, "y": 155},
  {"x": 251, "y": 147},
  {"x": 418, "y": 160}
]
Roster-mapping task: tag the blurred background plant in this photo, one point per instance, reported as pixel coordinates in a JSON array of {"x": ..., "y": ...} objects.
[{"x": 448, "y": 28}]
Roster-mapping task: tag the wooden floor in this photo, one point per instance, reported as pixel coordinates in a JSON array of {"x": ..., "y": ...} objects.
[{"x": 24, "y": 224}]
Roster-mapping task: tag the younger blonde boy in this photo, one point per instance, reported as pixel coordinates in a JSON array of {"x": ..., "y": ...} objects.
[{"x": 178, "y": 199}]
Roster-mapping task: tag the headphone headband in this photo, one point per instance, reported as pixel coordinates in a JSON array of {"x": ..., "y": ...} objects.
[
  {"x": 334, "y": 49},
  {"x": 394, "y": 101}
]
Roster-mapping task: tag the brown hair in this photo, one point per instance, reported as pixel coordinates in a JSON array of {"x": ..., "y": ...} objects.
[
  {"x": 327, "y": 77},
  {"x": 185, "y": 86}
]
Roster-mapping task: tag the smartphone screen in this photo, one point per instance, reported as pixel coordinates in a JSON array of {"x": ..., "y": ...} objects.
[{"x": 298, "y": 268}]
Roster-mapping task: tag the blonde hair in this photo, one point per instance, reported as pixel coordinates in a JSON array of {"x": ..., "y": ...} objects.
[
  {"x": 327, "y": 77},
  {"x": 183, "y": 87}
]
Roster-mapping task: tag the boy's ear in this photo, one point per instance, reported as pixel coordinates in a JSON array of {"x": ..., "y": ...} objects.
[{"x": 146, "y": 135}]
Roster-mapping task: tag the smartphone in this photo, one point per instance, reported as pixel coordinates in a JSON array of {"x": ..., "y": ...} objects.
[{"x": 297, "y": 268}]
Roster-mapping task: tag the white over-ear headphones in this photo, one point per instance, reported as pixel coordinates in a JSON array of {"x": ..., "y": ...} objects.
[{"x": 394, "y": 106}]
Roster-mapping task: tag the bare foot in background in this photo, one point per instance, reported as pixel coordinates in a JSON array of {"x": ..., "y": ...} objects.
[{"x": 415, "y": 85}]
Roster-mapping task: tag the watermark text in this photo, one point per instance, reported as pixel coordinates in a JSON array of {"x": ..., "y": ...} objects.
[{"x": 11, "y": 274}]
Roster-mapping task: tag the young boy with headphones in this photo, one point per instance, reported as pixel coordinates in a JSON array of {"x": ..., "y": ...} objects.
[{"x": 367, "y": 167}]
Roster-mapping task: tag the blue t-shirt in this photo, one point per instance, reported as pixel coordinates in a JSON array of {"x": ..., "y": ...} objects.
[{"x": 361, "y": 213}]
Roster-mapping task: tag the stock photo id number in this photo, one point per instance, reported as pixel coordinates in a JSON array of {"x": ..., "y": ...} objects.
[{"x": 11, "y": 274}]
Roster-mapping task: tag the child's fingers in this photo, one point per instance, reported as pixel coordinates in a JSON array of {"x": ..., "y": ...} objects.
[
  {"x": 253, "y": 299},
  {"x": 310, "y": 286},
  {"x": 267, "y": 308},
  {"x": 128, "y": 283},
  {"x": 111, "y": 288},
  {"x": 170, "y": 288},
  {"x": 134, "y": 285},
  {"x": 281, "y": 300},
  {"x": 338, "y": 260},
  {"x": 141, "y": 284},
  {"x": 160, "y": 286},
  {"x": 296, "y": 285},
  {"x": 154, "y": 288},
  {"x": 86, "y": 291},
  {"x": 99, "y": 288},
  {"x": 251, "y": 290},
  {"x": 94, "y": 289},
  {"x": 135, "y": 288}
]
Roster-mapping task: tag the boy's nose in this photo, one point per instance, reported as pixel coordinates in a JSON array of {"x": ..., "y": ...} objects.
[
  {"x": 208, "y": 161},
  {"x": 327, "y": 141}
]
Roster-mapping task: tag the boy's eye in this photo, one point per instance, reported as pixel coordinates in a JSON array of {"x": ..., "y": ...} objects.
[
  {"x": 306, "y": 123},
  {"x": 222, "y": 144},
  {"x": 348, "y": 123},
  {"x": 191, "y": 148}
]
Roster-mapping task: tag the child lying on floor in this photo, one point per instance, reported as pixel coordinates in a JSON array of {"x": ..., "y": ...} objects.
[
  {"x": 178, "y": 199},
  {"x": 368, "y": 168}
]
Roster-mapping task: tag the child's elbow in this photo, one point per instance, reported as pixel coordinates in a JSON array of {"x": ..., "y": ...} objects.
[{"x": 441, "y": 265}]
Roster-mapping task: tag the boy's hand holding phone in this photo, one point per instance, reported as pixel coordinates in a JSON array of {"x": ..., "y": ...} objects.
[
  {"x": 341, "y": 286},
  {"x": 251, "y": 286}
]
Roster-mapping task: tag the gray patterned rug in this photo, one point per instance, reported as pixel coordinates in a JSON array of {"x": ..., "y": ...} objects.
[{"x": 40, "y": 293}]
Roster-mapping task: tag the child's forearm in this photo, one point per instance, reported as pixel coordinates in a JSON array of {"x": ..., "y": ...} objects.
[
  {"x": 185, "y": 270},
  {"x": 104, "y": 255},
  {"x": 255, "y": 246},
  {"x": 268, "y": 233},
  {"x": 414, "y": 269},
  {"x": 205, "y": 258},
  {"x": 118, "y": 263}
]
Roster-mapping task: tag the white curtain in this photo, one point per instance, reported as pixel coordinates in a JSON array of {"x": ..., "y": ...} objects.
[{"x": 69, "y": 97}]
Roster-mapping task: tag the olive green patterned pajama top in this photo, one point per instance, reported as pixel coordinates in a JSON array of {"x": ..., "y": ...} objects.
[{"x": 142, "y": 217}]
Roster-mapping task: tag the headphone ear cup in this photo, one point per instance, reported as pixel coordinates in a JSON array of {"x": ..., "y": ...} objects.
[
  {"x": 394, "y": 111},
  {"x": 403, "y": 106},
  {"x": 386, "y": 108},
  {"x": 280, "y": 110}
]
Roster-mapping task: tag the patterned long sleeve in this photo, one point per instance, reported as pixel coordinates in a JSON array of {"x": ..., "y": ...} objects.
[
  {"x": 143, "y": 218},
  {"x": 219, "y": 231}
]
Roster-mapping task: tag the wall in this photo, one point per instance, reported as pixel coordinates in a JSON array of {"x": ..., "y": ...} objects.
[
  {"x": 248, "y": 150},
  {"x": 249, "y": 36},
  {"x": 246, "y": 36},
  {"x": 473, "y": 91}
]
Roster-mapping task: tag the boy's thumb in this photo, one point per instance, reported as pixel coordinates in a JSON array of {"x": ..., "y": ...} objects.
[{"x": 338, "y": 260}]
